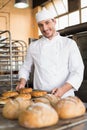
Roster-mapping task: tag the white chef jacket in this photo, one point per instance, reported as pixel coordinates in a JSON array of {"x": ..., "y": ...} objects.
[{"x": 56, "y": 62}]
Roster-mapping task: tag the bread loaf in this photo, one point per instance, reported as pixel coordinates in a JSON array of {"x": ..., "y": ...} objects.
[
  {"x": 38, "y": 115},
  {"x": 12, "y": 108},
  {"x": 41, "y": 99},
  {"x": 70, "y": 107},
  {"x": 52, "y": 99},
  {"x": 4, "y": 101}
]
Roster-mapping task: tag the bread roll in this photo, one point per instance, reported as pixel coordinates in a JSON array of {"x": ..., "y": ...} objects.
[
  {"x": 70, "y": 107},
  {"x": 38, "y": 115},
  {"x": 24, "y": 96},
  {"x": 38, "y": 93},
  {"x": 25, "y": 90},
  {"x": 8, "y": 94}
]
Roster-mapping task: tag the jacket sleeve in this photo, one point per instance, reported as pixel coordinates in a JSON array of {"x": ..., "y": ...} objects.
[
  {"x": 76, "y": 66},
  {"x": 25, "y": 69}
]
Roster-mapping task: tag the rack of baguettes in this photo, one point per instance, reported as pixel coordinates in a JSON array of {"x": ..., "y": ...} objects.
[
  {"x": 37, "y": 109},
  {"x": 12, "y": 54}
]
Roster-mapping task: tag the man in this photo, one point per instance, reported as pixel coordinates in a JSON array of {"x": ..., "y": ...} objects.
[{"x": 58, "y": 63}]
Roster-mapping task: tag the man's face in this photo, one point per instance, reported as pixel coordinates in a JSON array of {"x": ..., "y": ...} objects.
[{"x": 47, "y": 27}]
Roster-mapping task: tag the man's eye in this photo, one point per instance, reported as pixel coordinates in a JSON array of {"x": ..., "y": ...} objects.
[
  {"x": 47, "y": 22},
  {"x": 39, "y": 25}
]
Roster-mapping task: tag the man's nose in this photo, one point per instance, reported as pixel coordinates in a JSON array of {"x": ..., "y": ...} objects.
[{"x": 44, "y": 27}]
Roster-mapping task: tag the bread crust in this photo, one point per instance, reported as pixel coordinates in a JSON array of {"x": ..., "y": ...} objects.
[
  {"x": 12, "y": 108},
  {"x": 38, "y": 93},
  {"x": 41, "y": 99},
  {"x": 8, "y": 94},
  {"x": 52, "y": 99},
  {"x": 4, "y": 101},
  {"x": 70, "y": 107},
  {"x": 37, "y": 116},
  {"x": 24, "y": 96},
  {"x": 25, "y": 90}
]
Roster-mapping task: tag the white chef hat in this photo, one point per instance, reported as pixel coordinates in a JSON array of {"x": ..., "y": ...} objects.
[{"x": 44, "y": 14}]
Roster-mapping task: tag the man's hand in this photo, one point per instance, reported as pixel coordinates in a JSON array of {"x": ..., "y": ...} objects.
[
  {"x": 59, "y": 92},
  {"x": 21, "y": 84}
]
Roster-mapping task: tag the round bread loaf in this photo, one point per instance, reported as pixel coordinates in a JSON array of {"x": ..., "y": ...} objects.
[
  {"x": 12, "y": 108},
  {"x": 38, "y": 93},
  {"x": 38, "y": 115},
  {"x": 25, "y": 90},
  {"x": 41, "y": 99},
  {"x": 8, "y": 94},
  {"x": 4, "y": 101},
  {"x": 52, "y": 99},
  {"x": 70, "y": 107}
]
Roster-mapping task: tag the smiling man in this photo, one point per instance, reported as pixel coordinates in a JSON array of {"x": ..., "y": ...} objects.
[{"x": 58, "y": 63}]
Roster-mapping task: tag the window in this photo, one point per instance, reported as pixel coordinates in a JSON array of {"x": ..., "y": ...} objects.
[
  {"x": 63, "y": 22},
  {"x": 84, "y": 15},
  {"x": 50, "y": 7},
  {"x": 83, "y": 3},
  {"x": 74, "y": 18},
  {"x": 61, "y": 6}
]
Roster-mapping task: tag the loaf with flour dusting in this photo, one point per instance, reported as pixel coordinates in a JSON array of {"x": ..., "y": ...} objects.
[
  {"x": 38, "y": 115},
  {"x": 70, "y": 107}
]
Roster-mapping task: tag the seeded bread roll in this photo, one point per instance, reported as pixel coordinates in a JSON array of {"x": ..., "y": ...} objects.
[
  {"x": 70, "y": 107},
  {"x": 24, "y": 96},
  {"x": 25, "y": 90},
  {"x": 8, "y": 94},
  {"x": 38, "y": 115},
  {"x": 38, "y": 93}
]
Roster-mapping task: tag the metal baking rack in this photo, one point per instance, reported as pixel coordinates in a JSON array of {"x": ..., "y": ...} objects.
[
  {"x": 5, "y": 59},
  {"x": 12, "y": 54},
  {"x": 19, "y": 49}
]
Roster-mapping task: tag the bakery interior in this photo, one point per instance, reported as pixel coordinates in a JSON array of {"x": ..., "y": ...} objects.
[{"x": 18, "y": 28}]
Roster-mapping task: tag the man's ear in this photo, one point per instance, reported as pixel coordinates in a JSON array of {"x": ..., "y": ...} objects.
[{"x": 54, "y": 20}]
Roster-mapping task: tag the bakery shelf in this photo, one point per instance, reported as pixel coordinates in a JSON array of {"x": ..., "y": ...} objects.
[{"x": 12, "y": 54}]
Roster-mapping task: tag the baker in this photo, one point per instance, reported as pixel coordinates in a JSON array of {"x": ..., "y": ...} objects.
[{"x": 57, "y": 60}]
